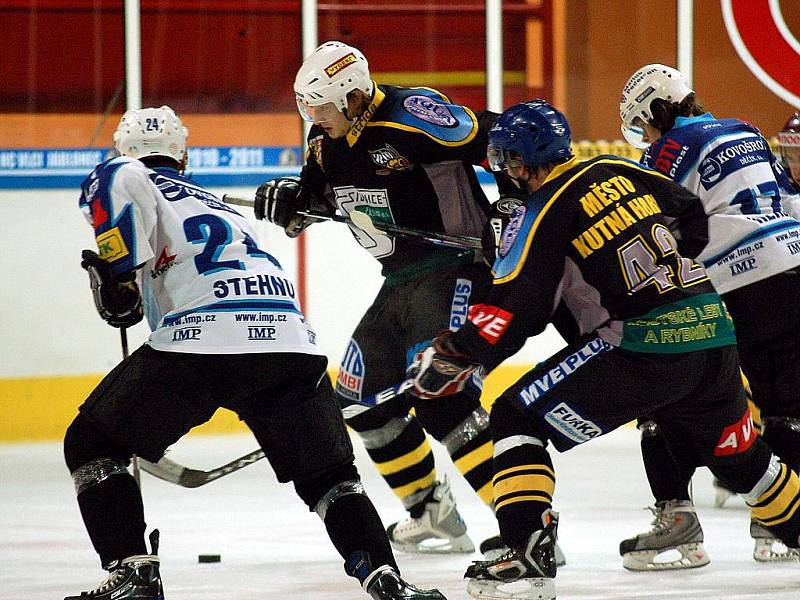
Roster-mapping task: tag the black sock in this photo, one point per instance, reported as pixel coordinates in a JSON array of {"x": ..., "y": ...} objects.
[
  {"x": 354, "y": 526},
  {"x": 114, "y": 517}
]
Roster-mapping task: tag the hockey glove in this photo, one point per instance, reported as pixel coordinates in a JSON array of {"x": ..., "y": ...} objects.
[
  {"x": 500, "y": 214},
  {"x": 440, "y": 369},
  {"x": 116, "y": 299},
  {"x": 279, "y": 200}
]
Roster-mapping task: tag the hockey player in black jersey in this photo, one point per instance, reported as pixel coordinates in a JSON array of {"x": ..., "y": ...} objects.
[
  {"x": 148, "y": 217},
  {"x": 655, "y": 339},
  {"x": 403, "y": 156}
]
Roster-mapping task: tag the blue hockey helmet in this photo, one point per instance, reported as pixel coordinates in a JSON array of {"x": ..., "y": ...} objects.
[{"x": 530, "y": 133}]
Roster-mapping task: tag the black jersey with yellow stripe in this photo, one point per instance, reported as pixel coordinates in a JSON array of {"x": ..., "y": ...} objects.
[
  {"x": 408, "y": 160},
  {"x": 596, "y": 236}
]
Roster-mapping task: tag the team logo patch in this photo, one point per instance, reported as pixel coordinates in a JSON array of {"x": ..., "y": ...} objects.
[
  {"x": 429, "y": 110},
  {"x": 491, "y": 321},
  {"x": 507, "y": 205},
  {"x": 459, "y": 309},
  {"x": 736, "y": 438},
  {"x": 340, "y": 64},
  {"x": 512, "y": 230},
  {"x": 315, "y": 148},
  {"x": 571, "y": 425},
  {"x": 112, "y": 245},
  {"x": 350, "y": 379},
  {"x": 390, "y": 159},
  {"x": 164, "y": 262},
  {"x": 547, "y": 381},
  {"x": 710, "y": 170}
]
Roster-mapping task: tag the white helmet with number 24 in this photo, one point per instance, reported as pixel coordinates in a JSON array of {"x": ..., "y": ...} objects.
[
  {"x": 151, "y": 132},
  {"x": 647, "y": 84},
  {"x": 331, "y": 72}
]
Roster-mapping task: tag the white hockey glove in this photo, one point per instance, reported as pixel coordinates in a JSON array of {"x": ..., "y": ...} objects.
[
  {"x": 279, "y": 200},
  {"x": 116, "y": 299},
  {"x": 440, "y": 369}
]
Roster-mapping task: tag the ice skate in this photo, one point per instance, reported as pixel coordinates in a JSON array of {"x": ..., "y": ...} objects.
[
  {"x": 523, "y": 573},
  {"x": 385, "y": 584},
  {"x": 438, "y": 530},
  {"x": 722, "y": 493},
  {"x": 134, "y": 578},
  {"x": 493, "y": 548},
  {"x": 674, "y": 542},
  {"x": 767, "y": 547}
]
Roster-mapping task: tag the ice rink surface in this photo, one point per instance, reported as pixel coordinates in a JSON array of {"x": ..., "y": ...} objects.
[{"x": 272, "y": 547}]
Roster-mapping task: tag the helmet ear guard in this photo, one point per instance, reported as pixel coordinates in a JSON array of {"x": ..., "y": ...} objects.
[
  {"x": 651, "y": 82},
  {"x": 151, "y": 132},
  {"x": 328, "y": 75}
]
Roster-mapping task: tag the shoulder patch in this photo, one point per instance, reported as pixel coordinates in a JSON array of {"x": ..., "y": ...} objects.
[
  {"x": 425, "y": 111},
  {"x": 429, "y": 110}
]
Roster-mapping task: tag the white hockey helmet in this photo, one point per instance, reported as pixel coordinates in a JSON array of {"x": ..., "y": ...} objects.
[
  {"x": 647, "y": 84},
  {"x": 151, "y": 132},
  {"x": 331, "y": 72}
]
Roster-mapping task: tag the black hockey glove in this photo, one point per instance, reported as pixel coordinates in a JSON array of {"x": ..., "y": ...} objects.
[
  {"x": 500, "y": 214},
  {"x": 116, "y": 299},
  {"x": 440, "y": 369},
  {"x": 279, "y": 200}
]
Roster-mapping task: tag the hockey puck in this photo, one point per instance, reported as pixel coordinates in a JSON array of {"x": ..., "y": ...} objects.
[{"x": 209, "y": 558}]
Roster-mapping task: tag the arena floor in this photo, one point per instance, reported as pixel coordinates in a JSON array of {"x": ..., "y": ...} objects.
[{"x": 272, "y": 547}]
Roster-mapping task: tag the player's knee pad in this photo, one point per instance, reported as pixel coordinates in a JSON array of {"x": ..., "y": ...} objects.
[
  {"x": 476, "y": 425},
  {"x": 506, "y": 421},
  {"x": 312, "y": 491},
  {"x": 337, "y": 492},
  {"x": 386, "y": 433},
  {"x": 443, "y": 416}
]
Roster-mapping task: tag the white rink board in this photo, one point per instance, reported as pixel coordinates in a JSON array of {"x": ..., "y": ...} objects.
[
  {"x": 47, "y": 319},
  {"x": 273, "y": 548}
]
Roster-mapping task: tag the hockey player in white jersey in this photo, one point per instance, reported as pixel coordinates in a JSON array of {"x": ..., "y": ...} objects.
[
  {"x": 752, "y": 258},
  {"x": 227, "y": 331}
]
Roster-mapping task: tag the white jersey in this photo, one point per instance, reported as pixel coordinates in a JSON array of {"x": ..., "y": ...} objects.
[
  {"x": 727, "y": 163},
  {"x": 207, "y": 287}
]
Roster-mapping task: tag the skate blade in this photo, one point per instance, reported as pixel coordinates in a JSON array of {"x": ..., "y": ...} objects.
[
  {"x": 771, "y": 550},
  {"x": 460, "y": 545},
  {"x": 683, "y": 556},
  {"x": 529, "y": 588}
]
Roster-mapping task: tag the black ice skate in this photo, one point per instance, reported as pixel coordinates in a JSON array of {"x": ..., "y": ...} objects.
[
  {"x": 134, "y": 578},
  {"x": 494, "y": 547},
  {"x": 385, "y": 584},
  {"x": 676, "y": 531},
  {"x": 523, "y": 573}
]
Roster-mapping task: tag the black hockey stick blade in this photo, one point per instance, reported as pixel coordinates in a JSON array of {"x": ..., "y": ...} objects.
[{"x": 170, "y": 471}]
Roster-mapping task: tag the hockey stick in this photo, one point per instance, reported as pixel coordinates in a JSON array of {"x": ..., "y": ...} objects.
[
  {"x": 123, "y": 340},
  {"x": 374, "y": 228},
  {"x": 170, "y": 471}
]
